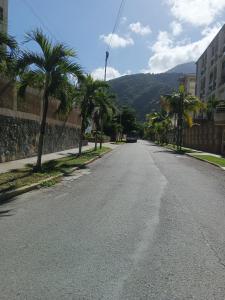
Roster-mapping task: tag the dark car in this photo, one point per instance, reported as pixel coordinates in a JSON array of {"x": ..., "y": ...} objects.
[{"x": 132, "y": 137}]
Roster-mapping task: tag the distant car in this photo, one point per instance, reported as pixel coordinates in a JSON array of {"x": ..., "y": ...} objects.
[{"x": 132, "y": 137}]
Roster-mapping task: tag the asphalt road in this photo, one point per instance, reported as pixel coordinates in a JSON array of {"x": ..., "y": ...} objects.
[{"x": 141, "y": 223}]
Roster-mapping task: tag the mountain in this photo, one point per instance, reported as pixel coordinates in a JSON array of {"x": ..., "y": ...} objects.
[
  {"x": 188, "y": 68},
  {"x": 142, "y": 91}
]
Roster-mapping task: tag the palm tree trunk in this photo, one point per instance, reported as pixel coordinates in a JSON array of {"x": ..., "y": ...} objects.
[
  {"x": 81, "y": 139},
  {"x": 96, "y": 140},
  {"x": 101, "y": 135},
  {"x": 42, "y": 132}
]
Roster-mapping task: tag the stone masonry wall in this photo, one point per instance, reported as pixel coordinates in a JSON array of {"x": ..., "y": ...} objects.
[
  {"x": 20, "y": 124},
  {"x": 19, "y": 138}
]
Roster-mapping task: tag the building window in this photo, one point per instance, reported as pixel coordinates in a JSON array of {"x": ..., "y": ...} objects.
[
  {"x": 1, "y": 14},
  {"x": 223, "y": 73}
]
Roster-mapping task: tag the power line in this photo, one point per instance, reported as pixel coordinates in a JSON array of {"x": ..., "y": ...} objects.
[
  {"x": 39, "y": 19},
  {"x": 122, "y": 4},
  {"x": 121, "y": 7}
]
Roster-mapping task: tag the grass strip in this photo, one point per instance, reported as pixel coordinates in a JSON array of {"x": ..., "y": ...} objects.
[
  {"x": 22, "y": 177},
  {"x": 183, "y": 149},
  {"x": 219, "y": 161}
]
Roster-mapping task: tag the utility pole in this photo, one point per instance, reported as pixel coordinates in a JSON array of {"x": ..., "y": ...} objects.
[
  {"x": 106, "y": 63},
  {"x": 180, "y": 123},
  {"x": 105, "y": 75}
]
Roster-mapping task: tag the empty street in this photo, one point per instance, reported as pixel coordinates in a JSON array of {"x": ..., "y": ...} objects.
[{"x": 139, "y": 223}]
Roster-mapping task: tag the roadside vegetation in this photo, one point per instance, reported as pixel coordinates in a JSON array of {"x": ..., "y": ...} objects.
[
  {"x": 55, "y": 168},
  {"x": 52, "y": 68},
  {"x": 216, "y": 160},
  {"x": 177, "y": 111}
]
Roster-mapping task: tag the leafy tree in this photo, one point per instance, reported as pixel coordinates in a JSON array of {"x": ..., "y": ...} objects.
[
  {"x": 49, "y": 70},
  {"x": 113, "y": 127},
  {"x": 128, "y": 119}
]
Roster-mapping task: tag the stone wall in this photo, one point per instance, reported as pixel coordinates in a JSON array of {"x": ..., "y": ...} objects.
[
  {"x": 19, "y": 138},
  {"x": 20, "y": 124},
  {"x": 205, "y": 136}
]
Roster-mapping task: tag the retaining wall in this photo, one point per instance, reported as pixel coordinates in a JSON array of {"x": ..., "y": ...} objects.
[
  {"x": 205, "y": 136},
  {"x": 20, "y": 123}
]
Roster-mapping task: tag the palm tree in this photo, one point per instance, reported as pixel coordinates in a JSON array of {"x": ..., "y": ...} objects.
[
  {"x": 7, "y": 46},
  {"x": 181, "y": 106},
  {"x": 9, "y": 54},
  {"x": 105, "y": 108},
  {"x": 88, "y": 89},
  {"x": 48, "y": 70},
  {"x": 158, "y": 124},
  {"x": 211, "y": 107}
]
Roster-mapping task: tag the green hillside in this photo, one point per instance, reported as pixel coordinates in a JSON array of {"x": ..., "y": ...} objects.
[{"x": 142, "y": 91}]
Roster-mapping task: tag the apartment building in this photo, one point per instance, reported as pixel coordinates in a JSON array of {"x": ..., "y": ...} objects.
[
  {"x": 211, "y": 70},
  {"x": 4, "y": 15},
  {"x": 189, "y": 82}
]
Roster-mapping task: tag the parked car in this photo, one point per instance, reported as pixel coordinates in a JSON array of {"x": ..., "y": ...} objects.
[{"x": 132, "y": 137}]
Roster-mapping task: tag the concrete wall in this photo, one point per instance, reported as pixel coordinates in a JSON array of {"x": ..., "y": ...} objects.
[
  {"x": 20, "y": 123},
  {"x": 206, "y": 137}
]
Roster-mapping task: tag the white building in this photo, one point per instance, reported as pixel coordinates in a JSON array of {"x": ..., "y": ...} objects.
[
  {"x": 4, "y": 15},
  {"x": 189, "y": 82},
  {"x": 211, "y": 70}
]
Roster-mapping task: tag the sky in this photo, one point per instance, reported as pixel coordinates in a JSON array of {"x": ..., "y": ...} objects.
[{"x": 152, "y": 35}]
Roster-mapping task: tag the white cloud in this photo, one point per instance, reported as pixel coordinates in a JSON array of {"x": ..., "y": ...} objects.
[
  {"x": 176, "y": 28},
  {"x": 197, "y": 12},
  {"x": 124, "y": 20},
  {"x": 116, "y": 41},
  {"x": 111, "y": 73},
  {"x": 138, "y": 28},
  {"x": 167, "y": 53}
]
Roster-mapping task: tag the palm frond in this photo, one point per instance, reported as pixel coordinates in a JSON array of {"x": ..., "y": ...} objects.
[
  {"x": 30, "y": 58},
  {"x": 33, "y": 78},
  {"x": 42, "y": 40},
  {"x": 8, "y": 40}
]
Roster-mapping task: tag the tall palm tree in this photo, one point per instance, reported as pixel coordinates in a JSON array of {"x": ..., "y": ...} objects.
[
  {"x": 48, "y": 70},
  {"x": 105, "y": 108},
  {"x": 181, "y": 107},
  {"x": 88, "y": 89}
]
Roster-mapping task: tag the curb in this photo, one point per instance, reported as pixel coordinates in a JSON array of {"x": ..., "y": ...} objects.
[
  {"x": 198, "y": 158},
  {"x": 204, "y": 160},
  {"x": 27, "y": 188},
  {"x": 8, "y": 195}
]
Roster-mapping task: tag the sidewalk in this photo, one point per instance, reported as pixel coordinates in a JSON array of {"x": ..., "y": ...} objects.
[
  {"x": 21, "y": 163},
  {"x": 214, "y": 159}
]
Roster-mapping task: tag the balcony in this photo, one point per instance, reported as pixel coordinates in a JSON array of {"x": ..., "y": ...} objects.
[{"x": 219, "y": 116}]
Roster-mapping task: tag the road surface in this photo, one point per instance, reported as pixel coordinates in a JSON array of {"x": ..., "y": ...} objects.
[{"x": 140, "y": 223}]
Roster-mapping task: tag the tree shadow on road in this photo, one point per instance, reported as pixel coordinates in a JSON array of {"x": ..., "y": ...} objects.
[{"x": 5, "y": 213}]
